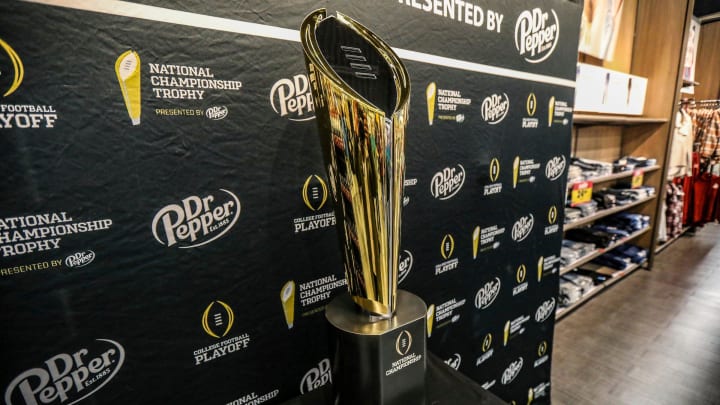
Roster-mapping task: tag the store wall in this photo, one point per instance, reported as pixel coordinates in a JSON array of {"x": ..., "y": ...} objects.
[{"x": 145, "y": 250}]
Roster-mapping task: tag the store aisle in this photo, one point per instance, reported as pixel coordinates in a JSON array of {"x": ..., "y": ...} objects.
[{"x": 653, "y": 338}]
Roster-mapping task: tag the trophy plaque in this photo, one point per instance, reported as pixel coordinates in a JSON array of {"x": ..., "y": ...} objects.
[{"x": 361, "y": 93}]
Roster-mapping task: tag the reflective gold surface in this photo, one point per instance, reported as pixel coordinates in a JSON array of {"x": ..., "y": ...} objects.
[{"x": 363, "y": 149}]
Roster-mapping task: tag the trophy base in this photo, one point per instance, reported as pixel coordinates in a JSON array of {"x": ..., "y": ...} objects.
[{"x": 380, "y": 362}]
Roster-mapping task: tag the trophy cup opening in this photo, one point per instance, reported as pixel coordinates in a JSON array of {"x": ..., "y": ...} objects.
[{"x": 357, "y": 63}]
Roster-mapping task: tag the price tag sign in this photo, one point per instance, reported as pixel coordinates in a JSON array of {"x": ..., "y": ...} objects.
[
  {"x": 637, "y": 178},
  {"x": 581, "y": 193}
]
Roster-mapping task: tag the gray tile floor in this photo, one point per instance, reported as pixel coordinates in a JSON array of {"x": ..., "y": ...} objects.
[{"x": 653, "y": 338}]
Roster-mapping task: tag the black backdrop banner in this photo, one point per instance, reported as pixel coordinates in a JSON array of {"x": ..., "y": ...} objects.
[{"x": 165, "y": 229}]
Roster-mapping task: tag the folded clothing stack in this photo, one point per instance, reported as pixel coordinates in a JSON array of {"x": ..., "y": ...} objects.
[
  {"x": 636, "y": 254},
  {"x": 618, "y": 196},
  {"x": 572, "y": 251},
  {"x": 627, "y": 195},
  {"x": 621, "y": 257},
  {"x": 572, "y": 214},
  {"x": 627, "y": 221},
  {"x": 598, "y": 278},
  {"x": 587, "y": 208},
  {"x": 605, "y": 200},
  {"x": 612, "y": 260},
  {"x": 584, "y": 282},
  {"x": 641, "y": 192},
  {"x": 575, "y": 174},
  {"x": 614, "y": 230},
  {"x": 592, "y": 168},
  {"x": 622, "y": 167},
  {"x": 590, "y": 235},
  {"x": 636, "y": 161},
  {"x": 572, "y": 287}
]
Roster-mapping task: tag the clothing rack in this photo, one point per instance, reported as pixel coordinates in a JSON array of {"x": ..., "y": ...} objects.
[{"x": 702, "y": 103}]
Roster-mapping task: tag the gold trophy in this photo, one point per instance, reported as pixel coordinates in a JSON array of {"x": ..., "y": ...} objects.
[
  {"x": 430, "y": 93},
  {"x": 361, "y": 93},
  {"x": 287, "y": 298},
  {"x": 127, "y": 69},
  {"x": 475, "y": 241},
  {"x": 516, "y": 170},
  {"x": 430, "y": 318},
  {"x": 506, "y": 333},
  {"x": 551, "y": 110},
  {"x": 540, "y": 268}
]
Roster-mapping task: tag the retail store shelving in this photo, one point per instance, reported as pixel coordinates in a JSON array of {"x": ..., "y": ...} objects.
[
  {"x": 585, "y": 259},
  {"x": 617, "y": 276},
  {"x": 603, "y": 213},
  {"x": 610, "y": 119},
  {"x": 615, "y": 176}
]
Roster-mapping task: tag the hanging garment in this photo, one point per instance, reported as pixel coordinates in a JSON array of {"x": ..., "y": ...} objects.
[
  {"x": 662, "y": 224},
  {"x": 707, "y": 136},
  {"x": 682, "y": 146},
  {"x": 674, "y": 210},
  {"x": 687, "y": 184}
]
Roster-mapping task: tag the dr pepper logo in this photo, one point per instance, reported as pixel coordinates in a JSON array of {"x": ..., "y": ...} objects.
[
  {"x": 316, "y": 377},
  {"x": 196, "y": 220},
  {"x": 447, "y": 182},
  {"x": 67, "y": 378},
  {"x": 291, "y": 98},
  {"x": 536, "y": 34}
]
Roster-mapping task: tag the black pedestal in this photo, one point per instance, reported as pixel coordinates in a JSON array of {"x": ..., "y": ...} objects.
[{"x": 381, "y": 362}]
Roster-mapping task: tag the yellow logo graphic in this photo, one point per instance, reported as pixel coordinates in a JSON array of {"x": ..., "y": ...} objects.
[
  {"x": 552, "y": 215},
  {"x": 542, "y": 348},
  {"x": 531, "y": 104},
  {"x": 521, "y": 273},
  {"x": 487, "y": 342},
  {"x": 475, "y": 241},
  {"x": 516, "y": 170},
  {"x": 430, "y": 93},
  {"x": 531, "y": 395},
  {"x": 447, "y": 246},
  {"x": 506, "y": 333},
  {"x": 287, "y": 298},
  {"x": 403, "y": 343},
  {"x": 551, "y": 110},
  {"x": 217, "y": 319},
  {"x": 127, "y": 69},
  {"x": 494, "y": 169},
  {"x": 314, "y": 192},
  {"x": 18, "y": 68},
  {"x": 540, "y": 268},
  {"x": 429, "y": 318}
]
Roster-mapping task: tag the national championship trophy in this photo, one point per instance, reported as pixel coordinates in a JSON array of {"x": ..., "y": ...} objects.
[{"x": 361, "y": 93}]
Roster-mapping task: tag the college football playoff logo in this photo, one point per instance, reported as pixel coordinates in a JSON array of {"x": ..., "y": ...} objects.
[
  {"x": 17, "y": 65},
  {"x": 314, "y": 192}
]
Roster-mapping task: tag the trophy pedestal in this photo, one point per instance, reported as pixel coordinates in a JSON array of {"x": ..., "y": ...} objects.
[{"x": 380, "y": 362}]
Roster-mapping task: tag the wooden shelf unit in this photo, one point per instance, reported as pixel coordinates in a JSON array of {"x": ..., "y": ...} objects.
[
  {"x": 604, "y": 213},
  {"x": 587, "y": 258},
  {"x": 607, "y": 119},
  {"x": 657, "y": 56},
  {"x": 615, "y": 176},
  {"x": 617, "y": 276}
]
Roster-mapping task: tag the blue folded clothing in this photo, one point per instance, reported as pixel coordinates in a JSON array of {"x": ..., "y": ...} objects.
[
  {"x": 611, "y": 260},
  {"x": 621, "y": 233},
  {"x": 635, "y": 253}
]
